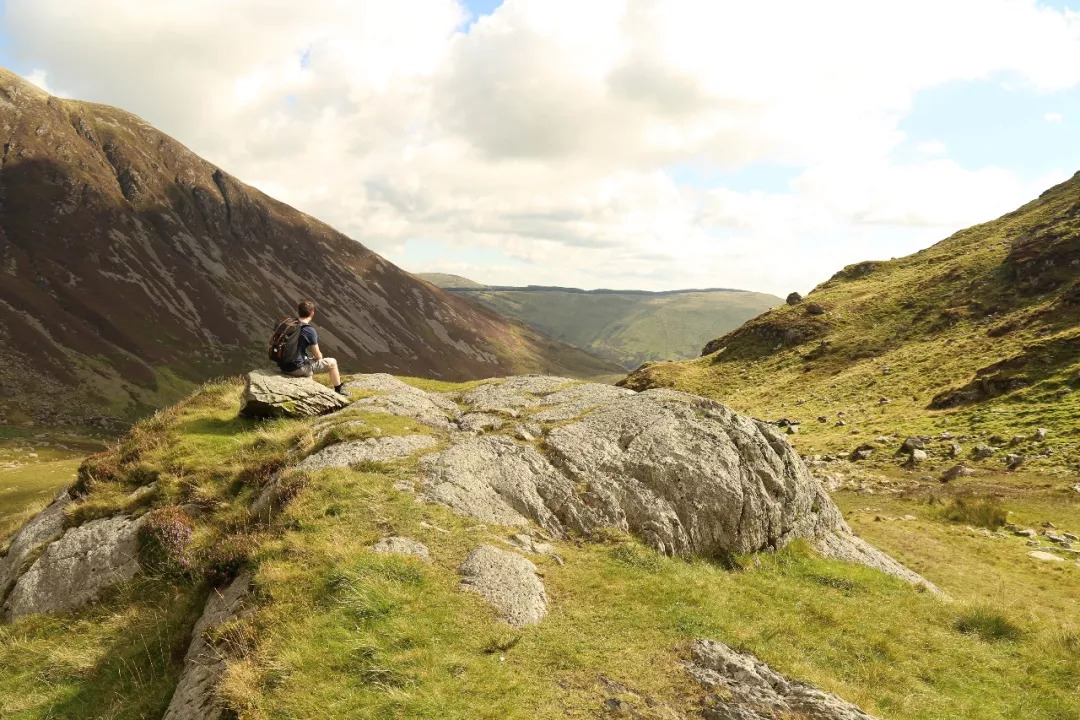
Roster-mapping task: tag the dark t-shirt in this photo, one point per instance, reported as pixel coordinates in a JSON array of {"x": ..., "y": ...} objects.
[{"x": 308, "y": 337}]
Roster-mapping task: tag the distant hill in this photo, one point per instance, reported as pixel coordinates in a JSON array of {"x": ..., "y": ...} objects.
[
  {"x": 976, "y": 336},
  {"x": 628, "y": 327},
  {"x": 445, "y": 280},
  {"x": 133, "y": 269}
]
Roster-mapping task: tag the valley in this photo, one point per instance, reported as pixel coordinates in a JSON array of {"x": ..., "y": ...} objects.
[{"x": 626, "y": 327}]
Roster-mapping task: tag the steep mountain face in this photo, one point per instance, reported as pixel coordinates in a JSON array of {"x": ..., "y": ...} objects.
[
  {"x": 626, "y": 327},
  {"x": 978, "y": 335},
  {"x": 131, "y": 268}
]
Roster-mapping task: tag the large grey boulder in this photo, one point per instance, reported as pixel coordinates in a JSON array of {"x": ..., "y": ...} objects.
[
  {"x": 382, "y": 449},
  {"x": 497, "y": 480},
  {"x": 204, "y": 664},
  {"x": 42, "y": 528},
  {"x": 744, "y": 688},
  {"x": 77, "y": 568},
  {"x": 508, "y": 582},
  {"x": 683, "y": 473},
  {"x": 271, "y": 394}
]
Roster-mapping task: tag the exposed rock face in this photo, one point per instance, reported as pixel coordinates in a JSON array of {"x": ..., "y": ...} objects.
[
  {"x": 510, "y": 396},
  {"x": 383, "y": 449},
  {"x": 204, "y": 664},
  {"x": 748, "y": 689},
  {"x": 271, "y": 394},
  {"x": 402, "y": 546},
  {"x": 427, "y": 408},
  {"x": 42, "y": 528},
  {"x": 76, "y": 568},
  {"x": 507, "y": 581},
  {"x": 683, "y": 473},
  {"x": 479, "y": 422}
]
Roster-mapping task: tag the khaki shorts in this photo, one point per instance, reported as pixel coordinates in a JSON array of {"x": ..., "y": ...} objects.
[{"x": 313, "y": 367}]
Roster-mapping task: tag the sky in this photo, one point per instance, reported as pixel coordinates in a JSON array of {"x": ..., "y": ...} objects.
[{"x": 648, "y": 144}]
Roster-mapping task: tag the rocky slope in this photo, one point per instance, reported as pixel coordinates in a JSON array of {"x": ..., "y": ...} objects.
[
  {"x": 627, "y": 327},
  {"x": 970, "y": 342},
  {"x": 131, "y": 268},
  {"x": 514, "y": 474}
]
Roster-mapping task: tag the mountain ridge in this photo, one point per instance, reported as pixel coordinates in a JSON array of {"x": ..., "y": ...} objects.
[{"x": 134, "y": 269}]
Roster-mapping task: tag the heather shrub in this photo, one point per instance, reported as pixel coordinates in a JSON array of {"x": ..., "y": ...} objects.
[{"x": 163, "y": 540}]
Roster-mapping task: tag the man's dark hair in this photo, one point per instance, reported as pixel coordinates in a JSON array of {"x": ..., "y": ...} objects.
[{"x": 305, "y": 309}]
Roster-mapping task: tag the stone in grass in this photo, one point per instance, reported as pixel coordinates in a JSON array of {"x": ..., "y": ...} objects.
[
  {"x": 1045, "y": 556},
  {"x": 956, "y": 471},
  {"x": 508, "y": 582},
  {"x": 77, "y": 568},
  {"x": 196, "y": 697},
  {"x": 916, "y": 458},
  {"x": 395, "y": 545},
  {"x": 744, "y": 688},
  {"x": 271, "y": 394},
  {"x": 863, "y": 452}
]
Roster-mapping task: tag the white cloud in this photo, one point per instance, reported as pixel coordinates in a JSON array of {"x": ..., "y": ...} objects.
[
  {"x": 541, "y": 134},
  {"x": 1053, "y": 117}
]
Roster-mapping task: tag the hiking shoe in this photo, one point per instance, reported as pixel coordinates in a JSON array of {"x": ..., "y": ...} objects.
[{"x": 340, "y": 390}]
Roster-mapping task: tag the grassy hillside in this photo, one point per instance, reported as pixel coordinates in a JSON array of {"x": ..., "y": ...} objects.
[
  {"x": 444, "y": 280},
  {"x": 629, "y": 328},
  {"x": 977, "y": 337},
  {"x": 340, "y": 632}
]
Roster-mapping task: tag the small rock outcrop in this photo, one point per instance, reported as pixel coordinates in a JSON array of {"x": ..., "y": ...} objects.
[
  {"x": 508, "y": 582},
  {"x": 402, "y": 546},
  {"x": 956, "y": 471},
  {"x": 744, "y": 688},
  {"x": 42, "y": 528},
  {"x": 204, "y": 664},
  {"x": 383, "y": 449},
  {"x": 271, "y": 394},
  {"x": 77, "y": 568},
  {"x": 794, "y": 299}
]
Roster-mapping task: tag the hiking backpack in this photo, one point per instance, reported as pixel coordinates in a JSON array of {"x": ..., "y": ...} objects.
[{"x": 285, "y": 341}]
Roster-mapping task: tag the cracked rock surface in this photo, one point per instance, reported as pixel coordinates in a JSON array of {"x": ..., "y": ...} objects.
[
  {"x": 744, "y": 688},
  {"x": 205, "y": 663},
  {"x": 508, "y": 582},
  {"x": 76, "y": 568}
]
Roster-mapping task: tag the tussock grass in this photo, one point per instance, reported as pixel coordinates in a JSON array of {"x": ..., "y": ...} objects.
[
  {"x": 988, "y": 623},
  {"x": 984, "y": 512}
]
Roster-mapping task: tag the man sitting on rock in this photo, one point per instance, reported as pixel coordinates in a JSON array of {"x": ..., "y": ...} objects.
[{"x": 309, "y": 358}]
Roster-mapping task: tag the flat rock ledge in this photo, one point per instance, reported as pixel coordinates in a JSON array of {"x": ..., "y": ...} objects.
[
  {"x": 383, "y": 449},
  {"x": 508, "y": 582},
  {"x": 204, "y": 664},
  {"x": 77, "y": 568},
  {"x": 43, "y": 528},
  {"x": 747, "y": 689},
  {"x": 395, "y": 545},
  {"x": 271, "y": 394}
]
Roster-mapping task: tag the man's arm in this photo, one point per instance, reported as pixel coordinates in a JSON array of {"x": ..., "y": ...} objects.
[{"x": 316, "y": 353}]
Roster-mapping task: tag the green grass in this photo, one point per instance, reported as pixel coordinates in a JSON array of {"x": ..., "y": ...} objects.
[
  {"x": 629, "y": 328},
  {"x": 340, "y": 632}
]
